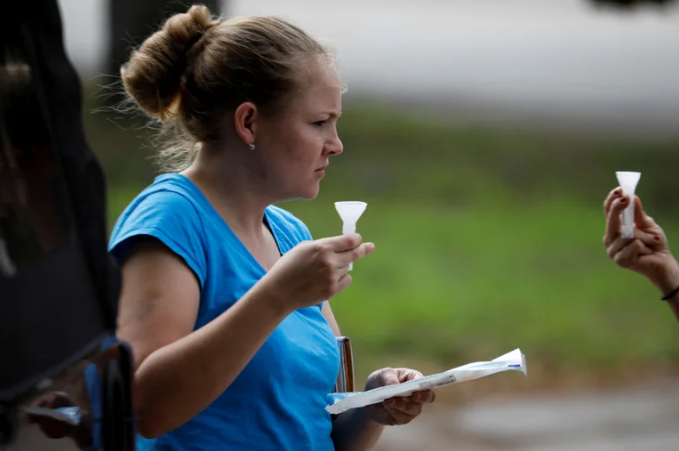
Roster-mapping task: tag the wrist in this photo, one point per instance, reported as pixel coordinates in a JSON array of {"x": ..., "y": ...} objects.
[
  {"x": 668, "y": 279},
  {"x": 270, "y": 300}
]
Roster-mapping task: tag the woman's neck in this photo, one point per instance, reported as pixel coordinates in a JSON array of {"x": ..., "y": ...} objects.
[{"x": 231, "y": 191}]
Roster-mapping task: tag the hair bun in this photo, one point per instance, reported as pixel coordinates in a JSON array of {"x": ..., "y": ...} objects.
[{"x": 153, "y": 74}]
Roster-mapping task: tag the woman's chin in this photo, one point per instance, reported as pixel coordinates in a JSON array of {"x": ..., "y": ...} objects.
[
  {"x": 308, "y": 191},
  {"x": 312, "y": 192}
]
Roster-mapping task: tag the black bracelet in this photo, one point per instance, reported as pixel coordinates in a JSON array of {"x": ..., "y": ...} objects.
[{"x": 671, "y": 294}]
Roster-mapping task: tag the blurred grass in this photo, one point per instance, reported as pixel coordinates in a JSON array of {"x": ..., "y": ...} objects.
[{"x": 487, "y": 239}]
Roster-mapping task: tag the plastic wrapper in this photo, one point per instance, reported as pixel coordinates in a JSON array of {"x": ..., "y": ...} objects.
[
  {"x": 70, "y": 415},
  {"x": 512, "y": 361}
]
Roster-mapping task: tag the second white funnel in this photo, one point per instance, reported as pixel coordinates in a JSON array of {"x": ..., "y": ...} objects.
[
  {"x": 350, "y": 212},
  {"x": 628, "y": 181}
]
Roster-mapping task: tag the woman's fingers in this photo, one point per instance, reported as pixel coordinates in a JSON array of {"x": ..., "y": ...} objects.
[
  {"x": 628, "y": 255},
  {"x": 351, "y": 255},
  {"x": 650, "y": 240},
  {"x": 614, "y": 194},
  {"x": 613, "y": 220},
  {"x": 617, "y": 245},
  {"x": 404, "y": 405},
  {"x": 641, "y": 219},
  {"x": 425, "y": 396},
  {"x": 344, "y": 281}
]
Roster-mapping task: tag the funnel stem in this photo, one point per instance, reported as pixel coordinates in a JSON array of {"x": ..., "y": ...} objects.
[{"x": 348, "y": 228}]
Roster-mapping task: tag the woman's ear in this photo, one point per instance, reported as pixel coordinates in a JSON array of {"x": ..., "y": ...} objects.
[{"x": 245, "y": 122}]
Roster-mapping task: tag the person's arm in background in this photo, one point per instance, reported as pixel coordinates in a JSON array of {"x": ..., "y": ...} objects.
[
  {"x": 647, "y": 253},
  {"x": 360, "y": 429}
]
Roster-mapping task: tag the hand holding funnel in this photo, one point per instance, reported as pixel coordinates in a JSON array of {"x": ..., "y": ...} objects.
[{"x": 350, "y": 212}]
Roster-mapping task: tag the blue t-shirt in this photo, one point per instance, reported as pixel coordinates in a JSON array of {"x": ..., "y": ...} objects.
[{"x": 278, "y": 401}]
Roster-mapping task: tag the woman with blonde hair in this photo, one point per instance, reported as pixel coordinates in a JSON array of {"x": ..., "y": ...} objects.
[{"x": 225, "y": 296}]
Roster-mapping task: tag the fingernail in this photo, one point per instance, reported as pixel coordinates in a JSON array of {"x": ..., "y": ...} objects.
[
  {"x": 623, "y": 200},
  {"x": 390, "y": 402},
  {"x": 657, "y": 237},
  {"x": 616, "y": 193}
]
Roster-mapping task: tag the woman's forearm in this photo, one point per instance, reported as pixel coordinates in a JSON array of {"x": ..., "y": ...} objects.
[
  {"x": 178, "y": 381},
  {"x": 353, "y": 431}
]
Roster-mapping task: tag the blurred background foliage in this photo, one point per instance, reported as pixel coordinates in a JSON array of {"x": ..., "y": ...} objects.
[{"x": 488, "y": 233}]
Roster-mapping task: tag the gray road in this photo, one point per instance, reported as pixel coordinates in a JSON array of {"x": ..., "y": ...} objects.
[
  {"x": 541, "y": 59},
  {"x": 638, "y": 419}
]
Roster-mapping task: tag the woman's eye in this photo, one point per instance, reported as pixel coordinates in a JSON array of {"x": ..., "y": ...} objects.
[{"x": 319, "y": 123}]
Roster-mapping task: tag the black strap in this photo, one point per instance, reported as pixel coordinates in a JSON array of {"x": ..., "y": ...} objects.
[{"x": 670, "y": 295}]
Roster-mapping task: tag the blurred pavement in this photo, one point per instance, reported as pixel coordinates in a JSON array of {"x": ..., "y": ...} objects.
[
  {"x": 640, "y": 419},
  {"x": 637, "y": 419}
]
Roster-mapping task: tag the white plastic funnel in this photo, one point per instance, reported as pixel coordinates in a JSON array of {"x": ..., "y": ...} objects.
[
  {"x": 628, "y": 181},
  {"x": 350, "y": 212}
]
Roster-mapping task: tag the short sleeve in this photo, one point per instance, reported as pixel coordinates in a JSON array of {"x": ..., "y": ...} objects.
[
  {"x": 305, "y": 232},
  {"x": 169, "y": 217},
  {"x": 290, "y": 228}
]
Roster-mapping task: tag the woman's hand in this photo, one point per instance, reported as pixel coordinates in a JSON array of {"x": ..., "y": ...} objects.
[
  {"x": 396, "y": 411},
  {"x": 315, "y": 271},
  {"x": 647, "y": 253},
  {"x": 359, "y": 429},
  {"x": 55, "y": 429}
]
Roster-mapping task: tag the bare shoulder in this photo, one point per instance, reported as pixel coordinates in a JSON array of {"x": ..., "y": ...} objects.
[{"x": 159, "y": 300}]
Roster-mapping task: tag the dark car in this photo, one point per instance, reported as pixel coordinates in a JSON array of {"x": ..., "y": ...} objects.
[{"x": 64, "y": 379}]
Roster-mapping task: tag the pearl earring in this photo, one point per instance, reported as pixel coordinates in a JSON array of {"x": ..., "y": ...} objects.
[{"x": 252, "y": 146}]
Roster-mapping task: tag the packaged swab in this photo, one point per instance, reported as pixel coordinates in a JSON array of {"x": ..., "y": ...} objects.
[{"x": 512, "y": 361}]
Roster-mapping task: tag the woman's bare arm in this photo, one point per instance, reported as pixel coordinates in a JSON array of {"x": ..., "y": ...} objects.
[{"x": 178, "y": 373}]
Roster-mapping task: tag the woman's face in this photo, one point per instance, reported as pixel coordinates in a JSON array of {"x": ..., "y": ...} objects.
[{"x": 296, "y": 145}]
